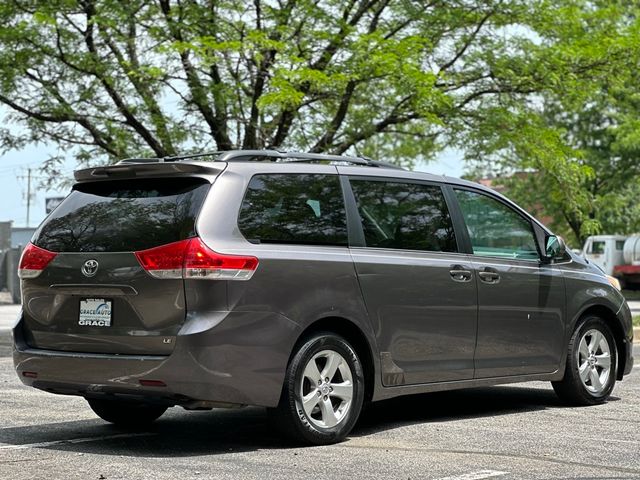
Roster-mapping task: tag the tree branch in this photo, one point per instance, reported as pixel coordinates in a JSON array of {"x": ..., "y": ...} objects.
[
  {"x": 198, "y": 92},
  {"x": 338, "y": 118},
  {"x": 379, "y": 127},
  {"x": 268, "y": 58},
  {"x": 470, "y": 39},
  {"x": 287, "y": 116},
  {"x": 156, "y": 115},
  {"x": 98, "y": 137},
  {"x": 89, "y": 10}
]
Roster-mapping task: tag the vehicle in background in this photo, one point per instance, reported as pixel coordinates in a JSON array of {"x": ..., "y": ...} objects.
[
  {"x": 605, "y": 251},
  {"x": 628, "y": 273}
]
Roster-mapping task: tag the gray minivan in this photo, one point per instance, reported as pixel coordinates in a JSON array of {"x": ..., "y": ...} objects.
[{"x": 307, "y": 284}]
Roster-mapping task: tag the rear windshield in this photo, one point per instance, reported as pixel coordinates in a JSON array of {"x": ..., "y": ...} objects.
[{"x": 123, "y": 216}]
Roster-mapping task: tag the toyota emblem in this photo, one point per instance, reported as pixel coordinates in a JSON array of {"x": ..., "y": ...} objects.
[{"x": 90, "y": 268}]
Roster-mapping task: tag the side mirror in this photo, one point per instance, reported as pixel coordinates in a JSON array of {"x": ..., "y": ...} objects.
[{"x": 555, "y": 248}]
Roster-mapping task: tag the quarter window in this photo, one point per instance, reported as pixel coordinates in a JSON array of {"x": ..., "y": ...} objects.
[
  {"x": 495, "y": 229},
  {"x": 404, "y": 215},
  {"x": 295, "y": 209}
]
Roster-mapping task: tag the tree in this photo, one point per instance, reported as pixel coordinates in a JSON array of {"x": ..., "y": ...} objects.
[
  {"x": 576, "y": 148},
  {"x": 395, "y": 79},
  {"x": 603, "y": 132}
]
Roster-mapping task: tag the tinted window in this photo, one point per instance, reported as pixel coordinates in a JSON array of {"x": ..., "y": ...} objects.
[
  {"x": 495, "y": 229},
  {"x": 404, "y": 215},
  {"x": 620, "y": 245},
  {"x": 123, "y": 216},
  {"x": 294, "y": 208}
]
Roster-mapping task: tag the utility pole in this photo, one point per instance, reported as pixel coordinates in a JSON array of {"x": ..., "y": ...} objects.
[
  {"x": 21, "y": 177},
  {"x": 28, "y": 194}
]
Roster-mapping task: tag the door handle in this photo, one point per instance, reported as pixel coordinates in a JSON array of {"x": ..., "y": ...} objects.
[
  {"x": 460, "y": 274},
  {"x": 489, "y": 275}
]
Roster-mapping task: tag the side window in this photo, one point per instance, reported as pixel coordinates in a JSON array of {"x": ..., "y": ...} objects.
[
  {"x": 620, "y": 245},
  {"x": 597, "y": 247},
  {"x": 495, "y": 229},
  {"x": 404, "y": 215},
  {"x": 295, "y": 209}
]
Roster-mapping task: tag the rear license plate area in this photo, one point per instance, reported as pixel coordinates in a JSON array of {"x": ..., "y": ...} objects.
[{"x": 95, "y": 312}]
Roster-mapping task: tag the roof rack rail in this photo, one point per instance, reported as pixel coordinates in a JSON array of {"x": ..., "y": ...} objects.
[
  {"x": 285, "y": 157},
  {"x": 267, "y": 155},
  {"x": 172, "y": 158}
]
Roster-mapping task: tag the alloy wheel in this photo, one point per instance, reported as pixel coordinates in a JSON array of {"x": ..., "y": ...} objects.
[
  {"x": 594, "y": 361},
  {"x": 326, "y": 389}
]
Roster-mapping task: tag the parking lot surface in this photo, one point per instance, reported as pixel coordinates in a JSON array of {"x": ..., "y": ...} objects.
[{"x": 509, "y": 432}]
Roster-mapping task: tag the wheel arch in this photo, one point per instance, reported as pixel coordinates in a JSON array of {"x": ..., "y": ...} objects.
[
  {"x": 611, "y": 319},
  {"x": 351, "y": 332}
]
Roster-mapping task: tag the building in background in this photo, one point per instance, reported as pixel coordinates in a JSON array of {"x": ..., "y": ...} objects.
[
  {"x": 20, "y": 236},
  {"x": 12, "y": 241},
  {"x": 5, "y": 235}
]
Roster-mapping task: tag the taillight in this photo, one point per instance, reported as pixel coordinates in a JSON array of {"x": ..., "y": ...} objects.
[
  {"x": 165, "y": 261},
  {"x": 191, "y": 258},
  {"x": 202, "y": 262},
  {"x": 33, "y": 261}
]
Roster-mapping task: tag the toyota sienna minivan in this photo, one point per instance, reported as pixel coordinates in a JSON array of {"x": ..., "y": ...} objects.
[{"x": 306, "y": 284}]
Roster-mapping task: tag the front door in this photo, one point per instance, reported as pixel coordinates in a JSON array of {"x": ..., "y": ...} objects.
[{"x": 520, "y": 300}]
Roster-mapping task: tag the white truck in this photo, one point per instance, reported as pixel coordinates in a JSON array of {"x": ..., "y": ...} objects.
[
  {"x": 628, "y": 272},
  {"x": 606, "y": 251}
]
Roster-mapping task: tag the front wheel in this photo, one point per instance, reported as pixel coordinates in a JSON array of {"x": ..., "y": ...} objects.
[
  {"x": 126, "y": 414},
  {"x": 323, "y": 391},
  {"x": 590, "y": 372}
]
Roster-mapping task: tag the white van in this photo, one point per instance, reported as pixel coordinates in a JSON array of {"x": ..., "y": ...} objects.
[{"x": 606, "y": 251}]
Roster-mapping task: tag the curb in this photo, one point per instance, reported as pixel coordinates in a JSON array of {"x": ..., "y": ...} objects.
[{"x": 636, "y": 334}]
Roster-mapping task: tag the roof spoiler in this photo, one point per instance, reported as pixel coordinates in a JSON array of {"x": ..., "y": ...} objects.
[{"x": 147, "y": 169}]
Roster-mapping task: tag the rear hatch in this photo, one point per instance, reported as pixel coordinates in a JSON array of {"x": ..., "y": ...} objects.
[{"x": 84, "y": 287}]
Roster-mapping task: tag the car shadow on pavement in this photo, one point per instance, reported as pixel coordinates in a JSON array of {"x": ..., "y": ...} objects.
[
  {"x": 176, "y": 434},
  {"x": 183, "y": 434},
  {"x": 453, "y": 406}
]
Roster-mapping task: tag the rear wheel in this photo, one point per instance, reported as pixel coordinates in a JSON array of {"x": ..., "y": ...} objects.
[
  {"x": 323, "y": 392},
  {"x": 590, "y": 372},
  {"x": 126, "y": 414}
]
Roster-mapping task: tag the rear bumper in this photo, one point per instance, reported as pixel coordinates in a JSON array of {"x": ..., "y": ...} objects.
[{"x": 221, "y": 357}]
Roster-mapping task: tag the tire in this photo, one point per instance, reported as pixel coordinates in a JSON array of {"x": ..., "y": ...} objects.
[
  {"x": 126, "y": 414},
  {"x": 332, "y": 407},
  {"x": 591, "y": 344}
]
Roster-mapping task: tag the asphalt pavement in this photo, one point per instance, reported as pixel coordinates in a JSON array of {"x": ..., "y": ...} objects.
[
  {"x": 518, "y": 431},
  {"x": 8, "y": 316}
]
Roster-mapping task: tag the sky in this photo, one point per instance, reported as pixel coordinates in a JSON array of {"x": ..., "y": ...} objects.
[{"x": 14, "y": 167}]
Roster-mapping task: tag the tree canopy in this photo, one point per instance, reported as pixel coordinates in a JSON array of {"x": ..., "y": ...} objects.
[
  {"x": 111, "y": 78},
  {"x": 580, "y": 143},
  {"x": 603, "y": 133},
  {"x": 398, "y": 80}
]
